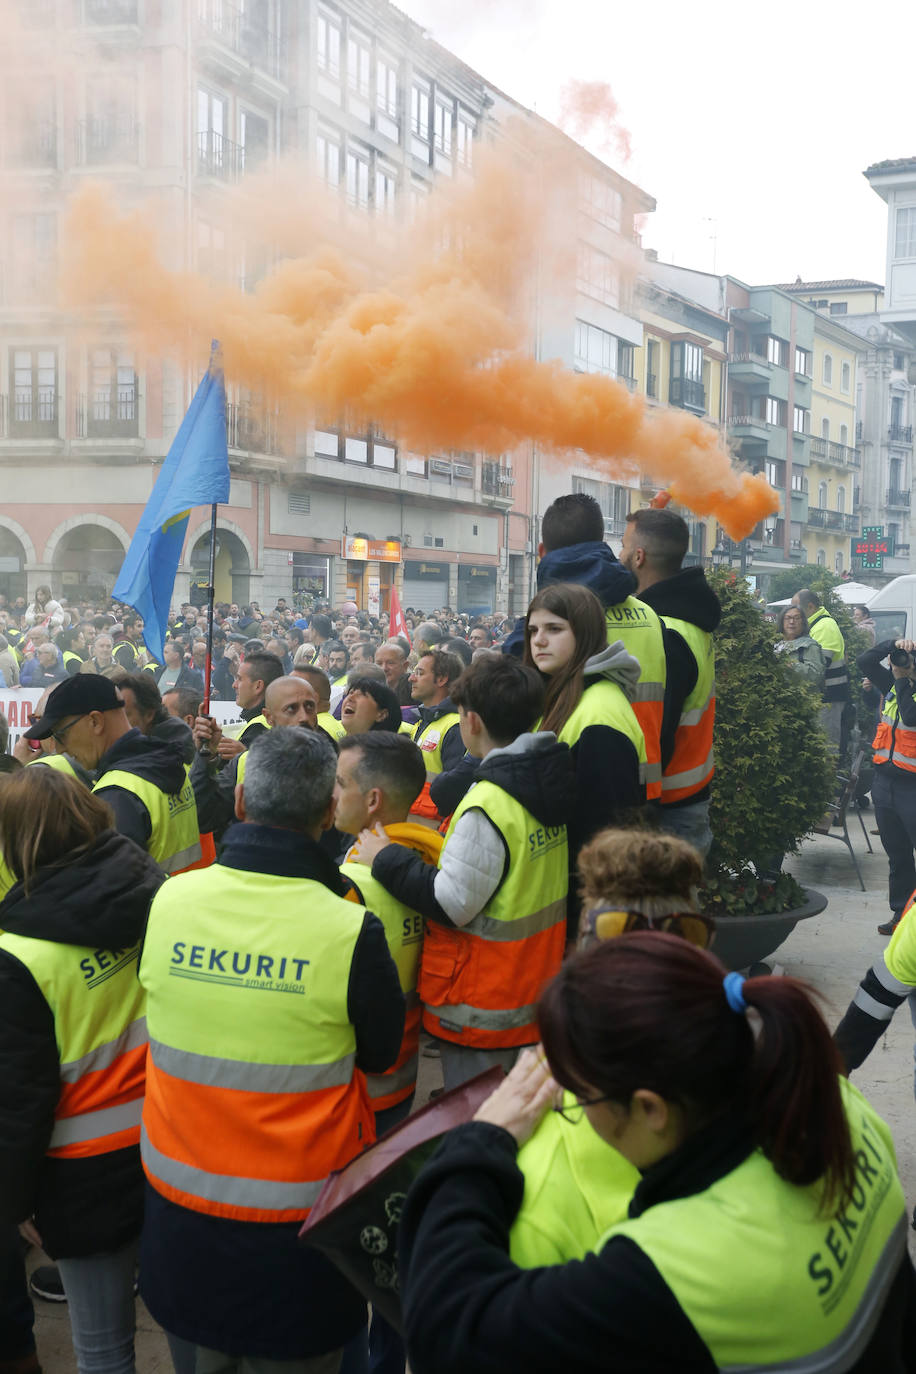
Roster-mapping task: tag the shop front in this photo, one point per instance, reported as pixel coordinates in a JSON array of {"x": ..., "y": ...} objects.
[
  {"x": 476, "y": 589},
  {"x": 371, "y": 565},
  {"x": 425, "y": 585}
]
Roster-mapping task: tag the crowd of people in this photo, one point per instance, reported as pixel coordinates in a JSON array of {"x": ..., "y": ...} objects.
[{"x": 224, "y": 947}]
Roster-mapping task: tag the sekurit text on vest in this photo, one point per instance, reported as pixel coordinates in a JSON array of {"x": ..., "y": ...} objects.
[
  {"x": 238, "y": 968},
  {"x": 830, "y": 1268},
  {"x": 628, "y": 615}
]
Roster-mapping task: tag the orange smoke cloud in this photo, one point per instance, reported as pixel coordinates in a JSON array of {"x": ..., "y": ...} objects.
[
  {"x": 589, "y": 113},
  {"x": 424, "y": 335}
]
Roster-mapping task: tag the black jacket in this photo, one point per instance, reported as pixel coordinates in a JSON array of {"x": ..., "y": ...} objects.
[
  {"x": 246, "y": 1287},
  {"x": 189, "y": 679},
  {"x": 452, "y": 750},
  {"x": 592, "y": 564},
  {"x": 153, "y": 760},
  {"x": 541, "y": 781},
  {"x": 468, "y": 1307},
  {"x": 81, "y": 1206},
  {"x": 686, "y": 596}
]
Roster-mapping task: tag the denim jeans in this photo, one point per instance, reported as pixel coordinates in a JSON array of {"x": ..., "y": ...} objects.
[
  {"x": 690, "y": 823},
  {"x": 102, "y": 1307}
]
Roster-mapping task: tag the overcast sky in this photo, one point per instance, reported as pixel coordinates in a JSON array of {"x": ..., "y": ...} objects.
[{"x": 750, "y": 125}]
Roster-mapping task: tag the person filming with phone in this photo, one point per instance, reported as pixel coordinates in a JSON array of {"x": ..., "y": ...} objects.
[{"x": 894, "y": 785}]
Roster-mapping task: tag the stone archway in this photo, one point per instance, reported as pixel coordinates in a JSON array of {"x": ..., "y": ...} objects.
[
  {"x": 233, "y": 564},
  {"x": 16, "y": 552},
  {"x": 85, "y": 554}
]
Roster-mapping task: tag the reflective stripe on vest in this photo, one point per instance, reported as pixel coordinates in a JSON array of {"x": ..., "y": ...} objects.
[
  {"x": 100, "y": 1029},
  {"x": 175, "y": 840},
  {"x": 640, "y": 629},
  {"x": 894, "y": 742},
  {"x": 332, "y": 725},
  {"x": 252, "y": 1098},
  {"x": 404, "y": 933},
  {"x": 480, "y": 983},
  {"x": 430, "y": 738},
  {"x": 605, "y": 703},
  {"x": 826, "y": 632},
  {"x": 769, "y": 1282},
  {"x": 691, "y": 766}
]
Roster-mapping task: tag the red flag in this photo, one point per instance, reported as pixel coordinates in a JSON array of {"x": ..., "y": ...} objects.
[{"x": 397, "y": 625}]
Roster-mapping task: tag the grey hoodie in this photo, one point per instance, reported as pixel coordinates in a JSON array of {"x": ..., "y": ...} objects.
[{"x": 614, "y": 663}]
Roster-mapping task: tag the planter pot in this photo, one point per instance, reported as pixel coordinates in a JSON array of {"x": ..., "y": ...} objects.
[{"x": 744, "y": 940}]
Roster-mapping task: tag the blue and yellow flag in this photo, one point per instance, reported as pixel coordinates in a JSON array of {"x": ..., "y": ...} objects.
[{"x": 195, "y": 473}]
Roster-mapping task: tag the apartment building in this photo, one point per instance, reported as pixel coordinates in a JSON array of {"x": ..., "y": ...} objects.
[{"x": 183, "y": 101}]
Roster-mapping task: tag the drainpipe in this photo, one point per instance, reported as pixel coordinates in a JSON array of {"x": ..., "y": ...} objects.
[{"x": 790, "y": 437}]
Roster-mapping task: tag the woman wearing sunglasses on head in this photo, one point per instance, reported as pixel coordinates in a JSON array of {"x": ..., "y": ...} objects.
[{"x": 768, "y": 1229}]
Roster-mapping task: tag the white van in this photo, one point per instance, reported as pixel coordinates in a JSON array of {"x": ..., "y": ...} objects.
[{"x": 893, "y": 609}]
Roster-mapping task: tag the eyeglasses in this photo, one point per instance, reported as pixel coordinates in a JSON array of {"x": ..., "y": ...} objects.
[
  {"x": 58, "y": 735},
  {"x": 608, "y": 922},
  {"x": 573, "y": 1112}
]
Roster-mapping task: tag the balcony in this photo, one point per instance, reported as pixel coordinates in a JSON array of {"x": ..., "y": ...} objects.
[
  {"x": 840, "y": 454},
  {"x": 232, "y": 28},
  {"x": 110, "y": 414},
  {"x": 823, "y": 519},
  {"x": 35, "y": 146},
  {"x": 103, "y": 141},
  {"x": 851, "y": 523},
  {"x": 749, "y": 368},
  {"x": 685, "y": 392},
  {"x": 897, "y": 498},
  {"x": 614, "y": 527},
  {"x": 30, "y": 415},
  {"x": 219, "y": 157},
  {"x": 629, "y": 382},
  {"x": 110, "y": 11},
  {"x": 496, "y": 481},
  {"x": 750, "y": 427},
  {"x": 250, "y": 430},
  {"x": 901, "y": 550},
  {"x": 900, "y": 434}
]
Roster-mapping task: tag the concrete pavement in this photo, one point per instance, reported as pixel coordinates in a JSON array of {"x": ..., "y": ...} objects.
[{"x": 831, "y": 951}]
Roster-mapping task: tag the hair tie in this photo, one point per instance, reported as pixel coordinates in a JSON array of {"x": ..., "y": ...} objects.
[{"x": 733, "y": 983}]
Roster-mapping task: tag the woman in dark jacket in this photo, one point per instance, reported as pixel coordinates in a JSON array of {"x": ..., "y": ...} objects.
[{"x": 73, "y": 1038}]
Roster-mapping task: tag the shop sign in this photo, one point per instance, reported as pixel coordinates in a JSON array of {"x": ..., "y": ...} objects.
[{"x": 364, "y": 550}]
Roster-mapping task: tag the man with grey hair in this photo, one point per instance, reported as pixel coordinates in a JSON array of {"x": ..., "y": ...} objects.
[
  {"x": 268, "y": 997},
  {"x": 391, "y": 657},
  {"x": 428, "y": 636}
]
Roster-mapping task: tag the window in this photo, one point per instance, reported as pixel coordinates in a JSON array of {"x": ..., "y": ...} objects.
[
  {"x": 327, "y": 443},
  {"x": 595, "y": 349},
  {"x": 419, "y": 112},
  {"x": 801, "y": 420},
  {"x": 686, "y": 386},
  {"x": 443, "y": 129},
  {"x": 112, "y": 393},
  {"x": 841, "y": 499},
  {"x": 775, "y": 411},
  {"x": 825, "y": 429},
  {"x": 34, "y": 390},
  {"x": 905, "y": 240},
  {"x": 822, "y": 495},
  {"x": 328, "y": 46},
  {"x": 821, "y": 558},
  {"x": 358, "y": 177},
  {"x": 386, "y": 182},
  {"x": 255, "y": 135},
  {"x": 601, "y": 201},
  {"x": 828, "y": 370},
  {"x": 597, "y": 275},
  {"x": 799, "y": 480},
  {"x": 802, "y": 362},
  {"x": 465, "y": 131},
  {"x": 652, "y": 357},
  {"x": 838, "y": 563},
  {"x": 327, "y": 148},
  {"x": 771, "y": 471},
  {"x": 626, "y": 360},
  {"x": 356, "y": 450},
  {"x": 386, "y": 87},
  {"x": 844, "y": 435},
  {"x": 899, "y": 362},
  {"x": 211, "y": 249},
  {"x": 359, "y": 64},
  {"x": 845, "y": 377},
  {"x": 838, "y": 307},
  {"x": 777, "y": 351},
  {"x": 215, "y": 153}
]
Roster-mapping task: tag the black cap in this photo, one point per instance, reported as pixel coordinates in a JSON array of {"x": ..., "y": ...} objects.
[{"x": 80, "y": 694}]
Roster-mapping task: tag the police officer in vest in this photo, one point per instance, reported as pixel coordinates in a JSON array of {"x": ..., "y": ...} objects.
[
  {"x": 653, "y": 549},
  {"x": 573, "y": 549},
  {"x": 437, "y": 732},
  {"x": 496, "y": 904},
  {"x": 142, "y": 780},
  {"x": 267, "y": 993},
  {"x": 893, "y": 786},
  {"x": 824, "y": 630}
]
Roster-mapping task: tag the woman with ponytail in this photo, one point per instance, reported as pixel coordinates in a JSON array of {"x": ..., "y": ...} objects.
[{"x": 768, "y": 1228}]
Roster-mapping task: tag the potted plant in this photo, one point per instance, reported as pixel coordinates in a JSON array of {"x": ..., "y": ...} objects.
[{"x": 773, "y": 782}]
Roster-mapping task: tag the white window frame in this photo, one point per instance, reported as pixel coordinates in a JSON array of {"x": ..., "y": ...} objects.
[
  {"x": 329, "y": 40},
  {"x": 905, "y": 232}
]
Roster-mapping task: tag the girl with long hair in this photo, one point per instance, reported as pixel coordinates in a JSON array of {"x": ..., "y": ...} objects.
[{"x": 768, "y": 1227}]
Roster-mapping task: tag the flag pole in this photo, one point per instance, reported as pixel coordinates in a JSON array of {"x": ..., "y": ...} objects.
[{"x": 211, "y": 592}]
